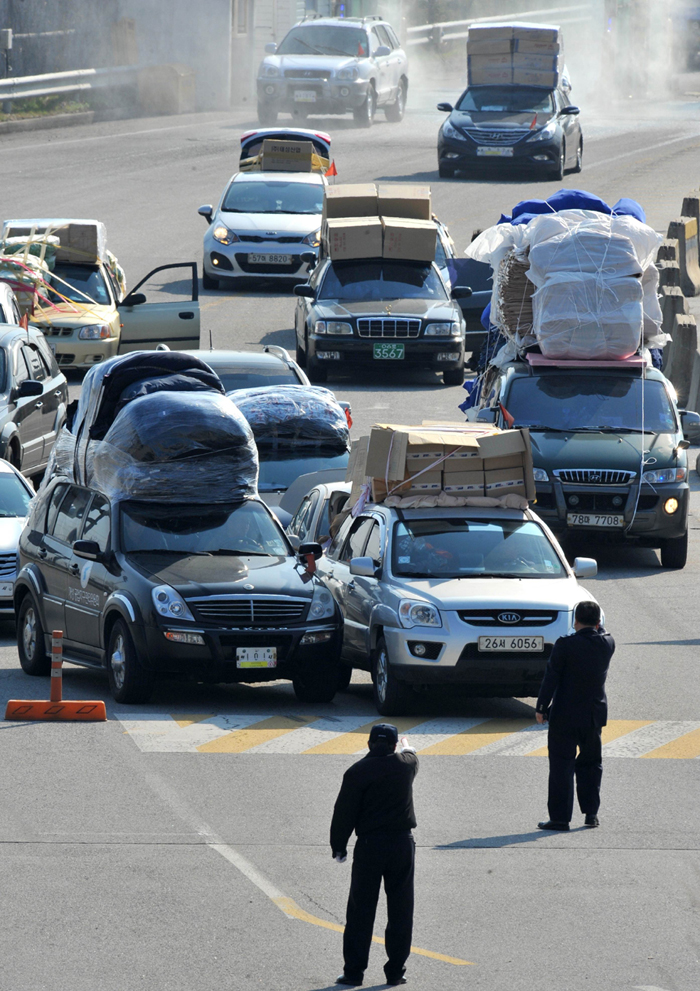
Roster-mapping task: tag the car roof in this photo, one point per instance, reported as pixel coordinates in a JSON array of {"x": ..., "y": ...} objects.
[
  {"x": 313, "y": 178},
  {"x": 265, "y": 131},
  {"x": 9, "y": 333},
  {"x": 351, "y": 22},
  {"x": 219, "y": 357},
  {"x": 523, "y": 368},
  {"x": 456, "y": 512}
]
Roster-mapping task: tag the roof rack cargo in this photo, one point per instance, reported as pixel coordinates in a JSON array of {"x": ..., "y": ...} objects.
[{"x": 635, "y": 361}]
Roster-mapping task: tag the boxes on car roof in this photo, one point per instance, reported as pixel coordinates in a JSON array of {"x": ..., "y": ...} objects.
[
  {"x": 287, "y": 156},
  {"x": 391, "y": 221},
  {"x": 80, "y": 241},
  {"x": 518, "y": 54}
]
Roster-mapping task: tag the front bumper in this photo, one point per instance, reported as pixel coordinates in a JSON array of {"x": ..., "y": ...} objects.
[
  {"x": 538, "y": 155},
  {"x": 71, "y": 352},
  {"x": 650, "y": 523},
  {"x": 232, "y": 261},
  {"x": 329, "y": 95},
  {"x": 360, "y": 350}
]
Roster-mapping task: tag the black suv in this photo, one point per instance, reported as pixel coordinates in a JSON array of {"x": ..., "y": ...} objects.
[{"x": 211, "y": 591}]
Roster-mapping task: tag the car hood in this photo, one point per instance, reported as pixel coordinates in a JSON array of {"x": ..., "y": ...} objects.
[
  {"x": 499, "y": 119},
  {"x": 552, "y": 450},
  {"x": 10, "y": 529},
  {"x": 266, "y": 223},
  {"x": 500, "y": 593},
  {"x": 68, "y": 315},
  {"x": 195, "y": 575},
  {"x": 426, "y": 309},
  {"x": 299, "y": 62}
]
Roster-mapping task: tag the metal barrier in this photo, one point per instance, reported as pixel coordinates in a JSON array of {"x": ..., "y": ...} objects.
[
  {"x": 52, "y": 83},
  {"x": 439, "y": 30}
]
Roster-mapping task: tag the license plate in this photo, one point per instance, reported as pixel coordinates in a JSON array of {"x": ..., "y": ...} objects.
[
  {"x": 488, "y": 151},
  {"x": 255, "y": 258},
  {"x": 594, "y": 519},
  {"x": 256, "y": 657},
  {"x": 5, "y": 590},
  {"x": 518, "y": 645},
  {"x": 389, "y": 350},
  {"x": 305, "y": 96}
]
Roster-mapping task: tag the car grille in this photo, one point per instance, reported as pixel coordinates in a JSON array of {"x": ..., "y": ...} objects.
[
  {"x": 496, "y": 137},
  {"x": 230, "y": 642},
  {"x": 388, "y": 327},
  {"x": 58, "y": 331},
  {"x": 301, "y": 75},
  {"x": 491, "y": 617},
  {"x": 595, "y": 476},
  {"x": 277, "y": 239},
  {"x": 8, "y": 566},
  {"x": 244, "y": 611},
  {"x": 65, "y": 359},
  {"x": 264, "y": 269}
]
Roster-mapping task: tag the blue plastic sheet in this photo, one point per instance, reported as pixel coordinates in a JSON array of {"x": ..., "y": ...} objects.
[{"x": 571, "y": 199}]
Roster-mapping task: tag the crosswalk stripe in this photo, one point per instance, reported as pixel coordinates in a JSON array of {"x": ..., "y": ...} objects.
[
  {"x": 647, "y": 738},
  {"x": 614, "y": 729},
  {"x": 355, "y": 741},
  {"x": 684, "y": 746},
  {"x": 438, "y": 730},
  {"x": 161, "y": 733},
  {"x": 478, "y": 736},
  {"x": 318, "y": 733},
  {"x": 259, "y": 732}
]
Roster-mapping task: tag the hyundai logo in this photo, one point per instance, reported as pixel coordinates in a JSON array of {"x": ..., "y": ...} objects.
[{"x": 509, "y": 617}]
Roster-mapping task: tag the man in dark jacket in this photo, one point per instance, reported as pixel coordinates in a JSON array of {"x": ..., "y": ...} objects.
[
  {"x": 376, "y": 800},
  {"x": 574, "y": 687}
]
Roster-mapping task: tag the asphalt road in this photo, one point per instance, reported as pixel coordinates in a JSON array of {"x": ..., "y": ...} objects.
[{"x": 173, "y": 847}]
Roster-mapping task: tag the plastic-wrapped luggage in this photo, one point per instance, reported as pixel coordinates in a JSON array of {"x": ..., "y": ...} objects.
[{"x": 302, "y": 416}]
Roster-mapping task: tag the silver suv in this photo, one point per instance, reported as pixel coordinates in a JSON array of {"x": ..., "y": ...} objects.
[{"x": 333, "y": 65}]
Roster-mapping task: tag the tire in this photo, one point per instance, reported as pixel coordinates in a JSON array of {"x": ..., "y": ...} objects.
[
  {"x": 14, "y": 456},
  {"x": 314, "y": 684},
  {"x": 316, "y": 371},
  {"x": 364, "y": 115},
  {"x": 559, "y": 169},
  {"x": 394, "y": 111},
  {"x": 30, "y": 640},
  {"x": 344, "y": 677},
  {"x": 391, "y": 697},
  {"x": 208, "y": 282},
  {"x": 267, "y": 115},
  {"x": 579, "y": 157},
  {"x": 453, "y": 376},
  {"x": 129, "y": 682},
  {"x": 445, "y": 172},
  {"x": 300, "y": 355},
  {"x": 674, "y": 552}
]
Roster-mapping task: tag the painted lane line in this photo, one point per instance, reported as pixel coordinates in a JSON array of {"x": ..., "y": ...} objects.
[
  {"x": 478, "y": 736},
  {"x": 640, "y": 151},
  {"x": 520, "y": 745},
  {"x": 436, "y": 731},
  {"x": 684, "y": 747},
  {"x": 320, "y": 733},
  {"x": 614, "y": 729},
  {"x": 260, "y": 731},
  {"x": 355, "y": 742},
  {"x": 647, "y": 738},
  {"x": 164, "y": 734}
]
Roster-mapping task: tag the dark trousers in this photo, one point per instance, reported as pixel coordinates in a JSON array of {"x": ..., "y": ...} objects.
[
  {"x": 564, "y": 765},
  {"x": 390, "y": 856}
]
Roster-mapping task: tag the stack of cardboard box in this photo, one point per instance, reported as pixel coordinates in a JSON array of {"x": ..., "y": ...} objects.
[
  {"x": 514, "y": 55},
  {"x": 287, "y": 156},
  {"x": 362, "y": 220}
]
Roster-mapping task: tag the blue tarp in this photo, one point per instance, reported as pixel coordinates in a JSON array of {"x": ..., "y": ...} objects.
[{"x": 571, "y": 199}]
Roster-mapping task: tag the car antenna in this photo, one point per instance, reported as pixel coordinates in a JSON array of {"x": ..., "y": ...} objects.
[{"x": 211, "y": 341}]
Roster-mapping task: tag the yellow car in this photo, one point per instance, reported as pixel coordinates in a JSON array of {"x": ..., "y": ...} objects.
[{"x": 82, "y": 305}]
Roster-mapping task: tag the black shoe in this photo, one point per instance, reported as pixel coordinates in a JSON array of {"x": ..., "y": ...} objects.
[
  {"x": 396, "y": 980},
  {"x": 592, "y": 821},
  {"x": 346, "y": 979},
  {"x": 551, "y": 824}
]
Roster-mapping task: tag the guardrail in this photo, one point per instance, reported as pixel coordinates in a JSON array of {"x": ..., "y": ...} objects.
[
  {"x": 53, "y": 83},
  {"x": 439, "y": 32}
]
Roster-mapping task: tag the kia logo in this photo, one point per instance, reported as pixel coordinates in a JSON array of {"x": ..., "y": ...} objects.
[{"x": 508, "y": 617}]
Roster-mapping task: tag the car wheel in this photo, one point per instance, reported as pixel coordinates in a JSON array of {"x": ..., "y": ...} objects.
[
  {"x": 208, "y": 282},
  {"x": 14, "y": 456},
  {"x": 453, "y": 376},
  {"x": 391, "y": 696},
  {"x": 344, "y": 676},
  {"x": 129, "y": 682},
  {"x": 674, "y": 552},
  {"x": 445, "y": 172},
  {"x": 267, "y": 115},
  {"x": 364, "y": 115},
  {"x": 394, "y": 111},
  {"x": 316, "y": 371},
  {"x": 30, "y": 640},
  {"x": 579, "y": 157},
  {"x": 316, "y": 682},
  {"x": 560, "y": 168},
  {"x": 300, "y": 355}
]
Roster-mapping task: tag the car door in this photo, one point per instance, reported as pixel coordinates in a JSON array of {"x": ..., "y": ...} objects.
[
  {"x": 28, "y": 413},
  {"x": 89, "y": 582},
  {"x": 145, "y": 325},
  {"x": 362, "y": 593},
  {"x": 570, "y": 127},
  {"x": 63, "y": 520},
  {"x": 383, "y": 64},
  {"x": 345, "y": 586},
  {"x": 48, "y": 401},
  {"x": 393, "y": 61},
  {"x": 56, "y": 392}
]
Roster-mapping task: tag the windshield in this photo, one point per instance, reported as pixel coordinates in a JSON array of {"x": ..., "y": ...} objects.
[
  {"x": 506, "y": 99},
  {"x": 252, "y": 376},
  {"x": 274, "y": 197},
  {"x": 381, "y": 280},
  {"x": 14, "y": 498},
  {"x": 586, "y": 402},
  {"x": 278, "y": 471},
  {"x": 324, "y": 39},
  {"x": 75, "y": 282},
  {"x": 238, "y": 528},
  {"x": 466, "y": 548}
]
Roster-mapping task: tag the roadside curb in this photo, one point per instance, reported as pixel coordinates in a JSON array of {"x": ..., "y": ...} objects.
[{"x": 47, "y": 123}]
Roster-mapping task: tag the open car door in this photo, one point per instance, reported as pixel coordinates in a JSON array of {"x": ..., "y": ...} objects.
[{"x": 145, "y": 325}]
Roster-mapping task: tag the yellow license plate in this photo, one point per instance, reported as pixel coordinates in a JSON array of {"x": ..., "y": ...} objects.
[{"x": 256, "y": 657}]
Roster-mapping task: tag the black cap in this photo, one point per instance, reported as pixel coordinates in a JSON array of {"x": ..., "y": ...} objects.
[{"x": 385, "y": 733}]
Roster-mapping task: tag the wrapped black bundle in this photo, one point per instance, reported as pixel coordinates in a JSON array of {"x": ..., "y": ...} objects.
[{"x": 294, "y": 415}]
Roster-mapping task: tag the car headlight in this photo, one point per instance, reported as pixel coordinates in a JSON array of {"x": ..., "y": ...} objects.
[
  {"x": 223, "y": 235},
  {"x": 336, "y": 327},
  {"x": 313, "y": 239},
  {"x": 449, "y": 131},
  {"x": 540, "y": 475},
  {"x": 270, "y": 70},
  {"x": 412, "y": 613},
  {"x": 170, "y": 603},
  {"x": 664, "y": 475},
  {"x": 442, "y": 330},
  {"x": 546, "y": 134},
  {"x": 351, "y": 72},
  {"x": 95, "y": 332},
  {"x": 322, "y": 604}
]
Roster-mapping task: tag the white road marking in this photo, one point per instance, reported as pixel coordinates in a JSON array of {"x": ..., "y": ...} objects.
[
  {"x": 160, "y": 733},
  {"x": 641, "y": 741},
  {"x": 436, "y": 730},
  {"x": 321, "y": 731},
  {"x": 519, "y": 745},
  {"x": 638, "y": 151}
]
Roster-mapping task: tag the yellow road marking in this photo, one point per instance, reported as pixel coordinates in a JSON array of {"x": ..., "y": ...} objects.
[
  {"x": 615, "y": 729},
  {"x": 350, "y": 743},
  {"x": 476, "y": 737},
  {"x": 291, "y": 909},
  {"x": 687, "y": 745},
  {"x": 184, "y": 721},
  {"x": 243, "y": 739}
]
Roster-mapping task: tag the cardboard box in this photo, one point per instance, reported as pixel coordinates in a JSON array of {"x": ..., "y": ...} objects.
[
  {"x": 505, "y": 481},
  {"x": 531, "y": 77},
  {"x": 353, "y": 237},
  {"x": 463, "y": 460},
  {"x": 537, "y": 46},
  {"x": 523, "y": 31},
  {"x": 409, "y": 240},
  {"x": 469, "y": 482},
  {"x": 491, "y": 75},
  {"x": 389, "y": 442},
  {"x": 488, "y": 46},
  {"x": 490, "y": 32},
  {"x": 396, "y": 487},
  {"x": 287, "y": 156},
  {"x": 404, "y": 200},
  {"x": 475, "y": 62},
  {"x": 429, "y": 481},
  {"x": 508, "y": 461},
  {"x": 79, "y": 243},
  {"x": 537, "y": 63},
  {"x": 419, "y": 456},
  {"x": 358, "y": 199},
  {"x": 501, "y": 445}
]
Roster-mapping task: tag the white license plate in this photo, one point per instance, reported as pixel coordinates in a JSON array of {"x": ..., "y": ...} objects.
[
  {"x": 518, "y": 645},
  {"x": 305, "y": 96},
  {"x": 256, "y": 657},
  {"x": 489, "y": 151},
  {"x": 594, "y": 519},
  {"x": 255, "y": 258},
  {"x": 5, "y": 590}
]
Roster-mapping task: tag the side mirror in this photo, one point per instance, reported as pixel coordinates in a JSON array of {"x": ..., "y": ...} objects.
[
  {"x": 310, "y": 547},
  {"x": 363, "y": 567},
  {"x": 569, "y": 112},
  {"x": 133, "y": 299},
  {"x": 585, "y": 567},
  {"x": 294, "y": 540},
  {"x": 309, "y": 257},
  {"x": 89, "y": 549},
  {"x": 689, "y": 418},
  {"x": 446, "y": 108},
  {"x": 461, "y": 292},
  {"x": 206, "y": 212},
  {"x": 28, "y": 388},
  {"x": 271, "y": 48},
  {"x": 486, "y": 415},
  {"x": 305, "y": 290},
  {"x": 382, "y": 51}
]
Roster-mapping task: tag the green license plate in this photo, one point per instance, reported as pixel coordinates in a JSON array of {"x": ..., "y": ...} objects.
[{"x": 388, "y": 350}]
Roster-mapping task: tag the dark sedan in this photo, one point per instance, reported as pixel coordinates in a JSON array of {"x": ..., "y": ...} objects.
[{"x": 515, "y": 126}]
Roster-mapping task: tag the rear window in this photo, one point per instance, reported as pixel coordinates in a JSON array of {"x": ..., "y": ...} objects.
[
  {"x": 252, "y": 376},
  {"x": 14, "y": 498}
]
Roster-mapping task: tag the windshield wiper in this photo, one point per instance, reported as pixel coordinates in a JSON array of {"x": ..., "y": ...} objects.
[
  {"x": 225, "y": 551},
  {"x": 168, "y": 550},
  {"x": 300, "y": 41},
  {"x": 543, "y": 426}
]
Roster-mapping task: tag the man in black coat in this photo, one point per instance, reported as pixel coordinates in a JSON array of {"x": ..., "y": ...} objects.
[
  {"x": 574, "y": 687},
  {"x": 376, "y": 800}
]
